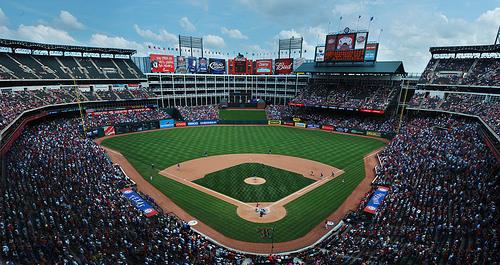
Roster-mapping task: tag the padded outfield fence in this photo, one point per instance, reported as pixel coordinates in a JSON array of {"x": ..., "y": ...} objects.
[{"x": 171, "y": 123}]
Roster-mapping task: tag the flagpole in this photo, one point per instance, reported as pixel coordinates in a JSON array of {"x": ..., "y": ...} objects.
[
  {"x": 357, "y": 23},
  {"x": 380, "y": 33},
  {"x": 370, "y": 24}
]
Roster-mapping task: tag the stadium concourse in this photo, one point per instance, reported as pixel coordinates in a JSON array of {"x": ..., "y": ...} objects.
[{"x": 64, "y": 202}]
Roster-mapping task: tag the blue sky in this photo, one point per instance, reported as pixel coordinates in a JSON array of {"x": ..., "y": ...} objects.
[{"x": 253, "y": 26}]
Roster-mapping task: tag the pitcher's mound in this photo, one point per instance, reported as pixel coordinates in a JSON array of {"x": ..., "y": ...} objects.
[{"x": 255, "y": 181}]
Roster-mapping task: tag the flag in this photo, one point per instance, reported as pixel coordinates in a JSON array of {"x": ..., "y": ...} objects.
[{"x": 371, "y": 19}]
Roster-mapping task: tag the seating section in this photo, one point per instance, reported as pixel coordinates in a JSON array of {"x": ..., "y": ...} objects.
[
  {"x": 14, "y": 103},
  {"x": 62, "y": 204},
  {"x": 25, "y": 66},
  {"x": 199, "y": 113},
  {"x": 375, "y": 97},
  {"x": 462, "y": 71},
  {"x": 98, "y": 119},
  {"x": 486, "y": 106}
]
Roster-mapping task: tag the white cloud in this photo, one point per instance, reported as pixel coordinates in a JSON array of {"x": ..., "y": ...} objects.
[
  {"x": 102, "y": 40},
  {"x": 162, "y": 35},
  {"x": 66, "y": 19},
  {"x": 3, "y": 17},
  {"x": 234, "y": 33},
  {"x": 186, "y": 24},
  {"x": 43, "y": 33},
  {"x": 213, "y": 41},
  {"x": 411, "y": 33},
  {"x": 490, "y": 17}
]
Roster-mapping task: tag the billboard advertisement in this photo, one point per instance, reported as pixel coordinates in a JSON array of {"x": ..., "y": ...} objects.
[
  {"x": 377, "y": 198},
  {"x": 319, "y": 54},
  {"x": 361, "y": 39},
  {"x": 202, "y": 65},
  {"x": 283, "y": 66},
  {"x": 192, "y": 64},
  {"x": 181, "y": 65},
  {"x": 371, "y": 52},
  {"x": 264, "y": 67},
  {"x": 161, "y": 63},
  {"x": 330, "y": 43},
  {"x": 240, "y": 67},
  {"x": 217, "y": 66},
  {"x": 167, "y": 123}
]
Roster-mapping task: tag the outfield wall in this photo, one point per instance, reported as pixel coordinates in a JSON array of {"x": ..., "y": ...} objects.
[{"x": 171, "y": 123}]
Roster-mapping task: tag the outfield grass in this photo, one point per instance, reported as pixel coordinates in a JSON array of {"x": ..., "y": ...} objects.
[
  {"x": 242, "y": 115},
  {"x": 230, "y": 181},
  {"x": 165, "y": 148}
]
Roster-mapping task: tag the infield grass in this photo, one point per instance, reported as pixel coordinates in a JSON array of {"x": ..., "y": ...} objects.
[
  {"x": 165, "y": 148},
  {"x": 231, "y": 182},
  {"x": 242, "y": 115}
]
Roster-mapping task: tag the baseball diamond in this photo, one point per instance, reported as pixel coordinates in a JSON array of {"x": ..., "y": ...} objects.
[{"x": 167, "y": 148}]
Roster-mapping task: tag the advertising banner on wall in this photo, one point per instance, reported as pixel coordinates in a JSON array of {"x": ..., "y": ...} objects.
[
  {"x": 377, "y": 198},
  {"x": 217, "y": 66},
  {"x": 109, "y": 130},
  {"x": 161, "y": 63},
  {"x": 192, "y": 64},
  {"x": 320, "y": 54},
  {"x": 167, "y": 123},
  {"x": 283, "y": 66},
  {"x": 139, "y": 203},
  {"x": 264, "y": 67},
  {"x": 181, "y": 65},
  {"x": 202, "y": 65}
]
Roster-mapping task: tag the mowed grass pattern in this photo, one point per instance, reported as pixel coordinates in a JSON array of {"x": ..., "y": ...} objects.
[
  {"x": 165, "y": 148},
  {"x": 242, "y": 115},
  {"x": 231, "y": 182}
]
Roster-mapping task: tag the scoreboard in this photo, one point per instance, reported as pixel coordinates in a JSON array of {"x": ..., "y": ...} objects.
[{"x": 346, "y": 46}]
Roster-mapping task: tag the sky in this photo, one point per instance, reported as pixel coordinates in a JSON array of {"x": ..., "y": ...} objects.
[{"x": 405, "y": 29}]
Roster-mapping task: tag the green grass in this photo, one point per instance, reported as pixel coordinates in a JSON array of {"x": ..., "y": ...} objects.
[
  {"x": 165, "y": 148},
  {"x": 242, "y": 115},
  {"x": 231, "y": 182}
]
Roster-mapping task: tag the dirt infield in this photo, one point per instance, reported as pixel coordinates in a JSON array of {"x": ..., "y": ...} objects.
[
  {"x": 351, "y": 203},
  {"x": 191, "y": 170}
]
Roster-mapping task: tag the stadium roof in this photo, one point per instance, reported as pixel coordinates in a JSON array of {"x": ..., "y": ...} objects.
[
  {"x": 390, "y": 67},
  {"x": 466, "y": 49},
  {"x": 56, "y": 47}
]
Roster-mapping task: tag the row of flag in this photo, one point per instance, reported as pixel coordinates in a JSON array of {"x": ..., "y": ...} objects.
[{"x": 172, "y": 49}]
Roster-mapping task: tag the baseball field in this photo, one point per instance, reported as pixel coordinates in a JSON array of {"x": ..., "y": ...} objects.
[{"x": 152, "y": 152}]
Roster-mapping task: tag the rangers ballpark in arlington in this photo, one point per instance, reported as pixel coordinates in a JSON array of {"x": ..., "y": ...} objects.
[{"x": 249, "y": 132}]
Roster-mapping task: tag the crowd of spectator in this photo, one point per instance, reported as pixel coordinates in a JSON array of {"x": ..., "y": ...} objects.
[
  {"x": 61, "y": 204},
  {"x": 371, "y": 123},
  {"x": 199, "y": 113},
  {"x": 279, "y": 112},
  {"x": 486, "y": 107},
  {"x": 13, "y": 103},
  {"x": 462, "y": 71},
  {"x": 98, "y": 119},
  {"x": 349, "y": 97}
]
